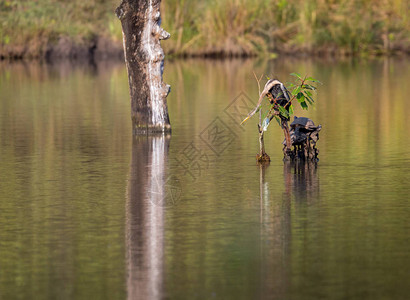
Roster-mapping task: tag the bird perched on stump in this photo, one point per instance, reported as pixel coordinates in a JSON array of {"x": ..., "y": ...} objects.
[
  {"x": 276, "y": 93},
  {"x": 279, "y": 96}
]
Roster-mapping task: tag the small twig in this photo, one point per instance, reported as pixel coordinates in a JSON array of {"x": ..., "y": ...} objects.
[{"x": 258, "y": 81}]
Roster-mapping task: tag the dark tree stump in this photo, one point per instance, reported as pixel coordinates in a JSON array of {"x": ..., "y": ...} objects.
[
  {"x": 144, "y": 59},
  {"x": 304, "y": 136}
]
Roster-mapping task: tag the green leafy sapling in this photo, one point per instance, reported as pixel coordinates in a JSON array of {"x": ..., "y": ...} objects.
[{"x": 280, "y": 105}]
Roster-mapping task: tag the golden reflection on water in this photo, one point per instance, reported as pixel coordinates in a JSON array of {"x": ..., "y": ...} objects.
[{"x": 79, "y": 206}]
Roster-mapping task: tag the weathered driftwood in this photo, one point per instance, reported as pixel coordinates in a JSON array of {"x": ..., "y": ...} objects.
[
  {"x": 144, "y": 58},
  {"x": 304, "y": 135}
]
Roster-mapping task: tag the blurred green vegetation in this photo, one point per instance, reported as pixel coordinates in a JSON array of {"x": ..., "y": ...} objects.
[
  {"x": 220, "y": 27},
  {"x": 248, "y": 27},
  {"x": 36, "y": 24}
]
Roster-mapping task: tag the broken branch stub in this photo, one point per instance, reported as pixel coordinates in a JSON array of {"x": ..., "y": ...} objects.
[{"x": 144, "y": 59}]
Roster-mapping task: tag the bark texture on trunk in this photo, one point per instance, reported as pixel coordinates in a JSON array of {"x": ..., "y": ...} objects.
[{"x": 144, "y": 59}]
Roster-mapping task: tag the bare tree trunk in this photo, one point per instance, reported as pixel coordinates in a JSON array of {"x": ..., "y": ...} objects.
[{"x": 144, "y": 58}]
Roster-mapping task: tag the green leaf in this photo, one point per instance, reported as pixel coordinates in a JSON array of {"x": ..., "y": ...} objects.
[
  {"x": 304, "y": 105},
  {"x": 296, "y": 90},
  {"x": 278, "y": 120},
  {"x": 283, "y": 112},
  {"x": 300, "y": 97},
  {"x": 296, "y": 75},
  {"x": 309, "y": 87},
  {"x": 290, "y": 110},
  {"x": 308, "y": 96},
  {"x": 308, "y": 100},
  {"x": 313, "y": 80}
]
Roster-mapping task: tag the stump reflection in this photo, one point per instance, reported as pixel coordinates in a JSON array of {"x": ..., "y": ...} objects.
[
  {"x": 301, "y": 180},
  {"x": 145, "y": 217}
]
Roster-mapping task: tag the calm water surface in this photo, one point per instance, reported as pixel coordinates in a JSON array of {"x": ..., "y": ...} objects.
[{"x": 89, "y": 212}]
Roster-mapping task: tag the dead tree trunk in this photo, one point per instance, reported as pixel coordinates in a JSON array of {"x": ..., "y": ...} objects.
[{"x": 144, "y": 58}]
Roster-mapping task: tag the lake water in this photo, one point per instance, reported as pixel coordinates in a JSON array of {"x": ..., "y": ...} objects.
[{"x": 89, "y": 212}]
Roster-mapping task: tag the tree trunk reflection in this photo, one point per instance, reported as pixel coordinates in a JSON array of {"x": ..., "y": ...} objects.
[{"x": 145, "y": 217}]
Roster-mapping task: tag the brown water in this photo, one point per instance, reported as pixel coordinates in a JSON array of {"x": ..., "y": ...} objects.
[{"x": 88, "y": 212}]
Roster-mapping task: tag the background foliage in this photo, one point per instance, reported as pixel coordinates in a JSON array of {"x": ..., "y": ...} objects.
[{"x": 220, "y": 27}]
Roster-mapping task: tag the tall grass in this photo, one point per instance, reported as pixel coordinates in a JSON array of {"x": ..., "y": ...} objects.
[
  {"x": 220, "y": 27},
  {"x": 215, "y": 27},
  {"x": 246, "y": 27},
  {"x": 30, "y": 26}
]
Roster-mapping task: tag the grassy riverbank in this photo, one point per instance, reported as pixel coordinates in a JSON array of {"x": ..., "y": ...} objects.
[
  {"x": 33, "y": 28},
  {"x": 246, "y": 27}
]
